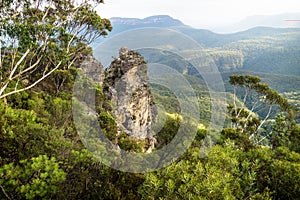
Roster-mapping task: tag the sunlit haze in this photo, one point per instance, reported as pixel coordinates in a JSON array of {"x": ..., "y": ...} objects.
[{"x": 198, "y": 13}]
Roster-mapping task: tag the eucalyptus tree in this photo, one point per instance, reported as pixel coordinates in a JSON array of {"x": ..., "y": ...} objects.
[
  {"x": 41, "y": 36},
  {"x": 253, "y": 105}
]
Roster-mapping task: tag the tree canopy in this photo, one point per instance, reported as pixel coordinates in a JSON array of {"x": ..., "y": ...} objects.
[
  {"x": 253, "y": 105},
  {"x": 41, "y": 36}
]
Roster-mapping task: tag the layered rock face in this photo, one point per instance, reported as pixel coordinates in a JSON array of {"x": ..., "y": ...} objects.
[{"x": 126, "y": 84}]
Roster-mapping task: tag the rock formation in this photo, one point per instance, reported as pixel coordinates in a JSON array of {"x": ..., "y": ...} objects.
[{"x": 126, "y": 84}]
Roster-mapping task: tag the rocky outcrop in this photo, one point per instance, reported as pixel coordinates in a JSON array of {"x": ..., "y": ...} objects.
[
  {"x": 92, "y": 68},
  {"x": 126, "y": 84}
]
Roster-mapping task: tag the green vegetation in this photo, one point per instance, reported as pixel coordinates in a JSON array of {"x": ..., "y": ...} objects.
[{"x": 42, "y": 157}]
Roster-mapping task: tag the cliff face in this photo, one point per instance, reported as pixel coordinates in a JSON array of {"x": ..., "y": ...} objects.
[{"x": 126, "y": 84}]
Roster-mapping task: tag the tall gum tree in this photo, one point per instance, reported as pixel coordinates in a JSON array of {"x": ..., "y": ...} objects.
[
  {"x": 41, "y": 36},
  {"x": 253, "y": 105}
]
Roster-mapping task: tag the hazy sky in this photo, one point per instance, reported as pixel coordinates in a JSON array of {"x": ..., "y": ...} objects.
[{"x": 198, "y": 13}]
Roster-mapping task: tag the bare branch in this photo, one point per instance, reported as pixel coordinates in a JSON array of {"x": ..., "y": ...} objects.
[
  {"x": 18, "y": 63},
  {"x": 46, "y": 13},
  {"x": 3, "y": 191},
  {"x": 32, "y": 85}
]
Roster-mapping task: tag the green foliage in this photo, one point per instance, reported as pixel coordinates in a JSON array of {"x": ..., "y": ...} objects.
[
  {"x": 279, "y": 136},
  {"x": 131, "y": 144},
  {"x": 24, "y": 136},
  {"x": 108, "y": 125},
  {"x": 218, "y": 177},
  {"x": 241, "y": 140},
  {"x": 38, "y": 177},
  {"x": 271, "y": 167},
  {"x": 294, "y": 139},
  {"x": 201, "y": 133},
  {"x": 169, "y": 130},
  {"x": 227, "y": 173}
]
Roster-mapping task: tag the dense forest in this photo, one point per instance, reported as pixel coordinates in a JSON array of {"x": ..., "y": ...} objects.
[{"x": 256, "y": 156}]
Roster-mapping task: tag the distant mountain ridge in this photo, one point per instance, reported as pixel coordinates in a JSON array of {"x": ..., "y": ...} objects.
[
  {"x": 122, "y": 24},
  {"x": 158, "y": 20}
]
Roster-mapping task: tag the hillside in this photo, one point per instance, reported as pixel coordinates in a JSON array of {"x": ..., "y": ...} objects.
[{"x": 259, "y": 50}]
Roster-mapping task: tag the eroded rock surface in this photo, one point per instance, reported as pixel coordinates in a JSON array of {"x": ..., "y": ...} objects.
[{"x": 126, "y": 84}]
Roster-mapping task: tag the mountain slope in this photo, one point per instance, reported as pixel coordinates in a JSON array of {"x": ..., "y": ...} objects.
[{"x": 261, "y": 49}]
